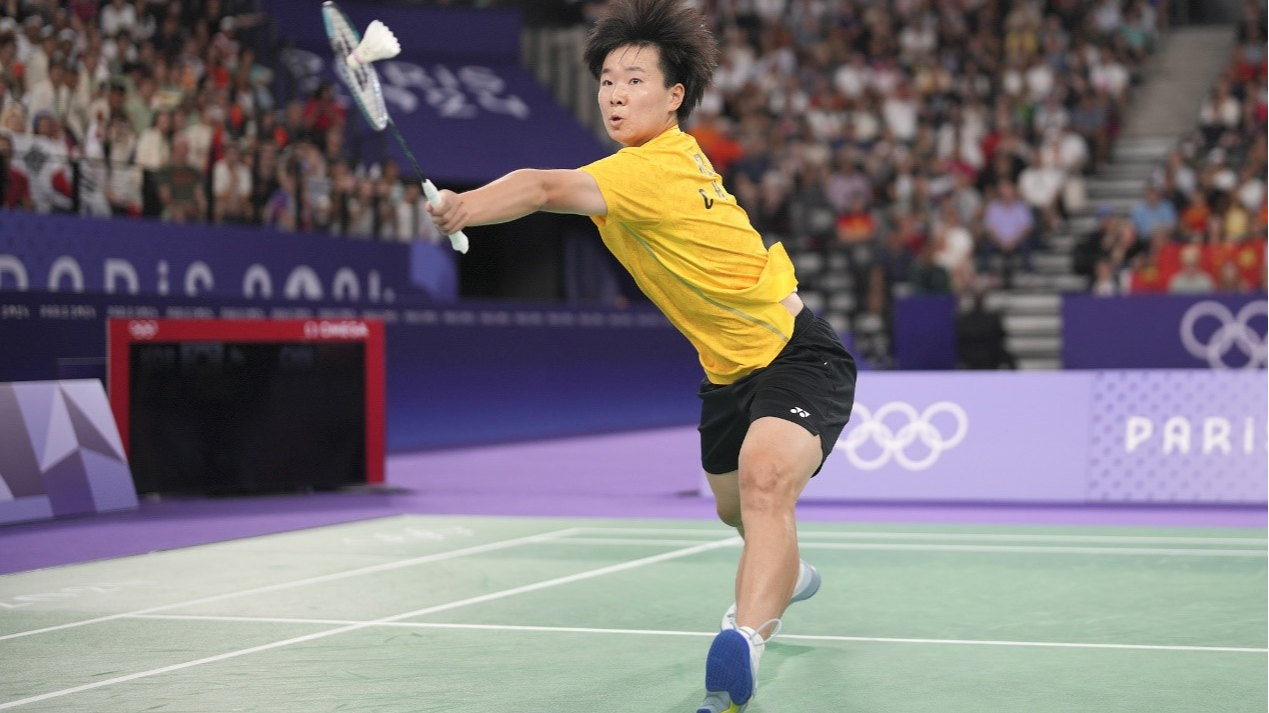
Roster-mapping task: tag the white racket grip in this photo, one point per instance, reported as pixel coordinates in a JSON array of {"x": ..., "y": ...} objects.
[{"x": 458, "y": 240}]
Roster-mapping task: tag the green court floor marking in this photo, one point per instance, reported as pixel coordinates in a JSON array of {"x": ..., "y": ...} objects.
[{"x": 700, "y": 634}]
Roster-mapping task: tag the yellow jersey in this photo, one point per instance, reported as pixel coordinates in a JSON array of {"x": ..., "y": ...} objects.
[{"x": 693, "y": 252}]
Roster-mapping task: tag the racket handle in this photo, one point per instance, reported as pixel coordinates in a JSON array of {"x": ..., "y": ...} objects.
[{"x": 458, "y": 240}]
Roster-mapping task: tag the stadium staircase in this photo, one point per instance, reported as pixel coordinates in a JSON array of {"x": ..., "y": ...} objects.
[{"x": 1165, "y": 105}]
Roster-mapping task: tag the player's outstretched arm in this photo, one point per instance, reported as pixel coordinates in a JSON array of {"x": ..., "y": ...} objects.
[{"x": 518, "y": 194}]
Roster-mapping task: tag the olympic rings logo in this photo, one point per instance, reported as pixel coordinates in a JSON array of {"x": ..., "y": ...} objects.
[
  {"x": 1234, "y": 331},
  {"x": 143, "y": 329},
  {"x": 893, "y": 444}
]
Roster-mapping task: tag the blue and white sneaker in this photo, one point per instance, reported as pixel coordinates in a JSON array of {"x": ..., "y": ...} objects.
[
  {"x": 808, "y": 584},
  {"x": 731, "y": 670}
]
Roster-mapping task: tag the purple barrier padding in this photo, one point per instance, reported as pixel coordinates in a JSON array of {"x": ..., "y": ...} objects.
[
  {"x": 1164, "y": 332},
  {"x": 61, "y": 453},
  {"x": 1178, "y": 436},
  {"x": 925, "y": 332},
  {"x": 73, "y": 254},
  {"x": 457, "y": 92},
  {"x": 1160, "y": 436},
  {"x": 962, "y": 437},
  {"x": 457, "y": 373}
]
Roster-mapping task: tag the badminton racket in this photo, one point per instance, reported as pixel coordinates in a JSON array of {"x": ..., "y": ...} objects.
[{"x": 354, "y": 57}]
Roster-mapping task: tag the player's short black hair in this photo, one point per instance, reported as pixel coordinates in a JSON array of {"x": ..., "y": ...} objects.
[{"x": 689, "y": 52}]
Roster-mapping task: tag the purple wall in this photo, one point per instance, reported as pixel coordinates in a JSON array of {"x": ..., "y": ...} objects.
[{"x": 1164, "y": 332}]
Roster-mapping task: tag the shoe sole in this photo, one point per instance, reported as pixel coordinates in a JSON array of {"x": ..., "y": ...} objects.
[
  {"x": 731, "y": 708},
  {"x": 728, "y": 668}
]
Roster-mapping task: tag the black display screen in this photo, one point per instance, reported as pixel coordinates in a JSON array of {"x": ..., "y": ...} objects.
[{"x": 233, "y": 417}]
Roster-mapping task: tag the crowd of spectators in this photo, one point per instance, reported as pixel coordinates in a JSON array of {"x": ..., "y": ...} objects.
[
  {"x": 930, "y": 141},
  {"x": 917, "y": 146},
  {"x": 161, "y": 108},
  {"x": 1200, "y": 226}
]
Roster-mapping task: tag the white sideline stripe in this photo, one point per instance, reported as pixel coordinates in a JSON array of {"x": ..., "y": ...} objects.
[
  {"x": 354, "y": 626},
  {"x": 655, "y": 632},
  {"x": 987, "y": 537},
  {"x": 477, "y": 549},
  {"x": 881, "y": 546}
]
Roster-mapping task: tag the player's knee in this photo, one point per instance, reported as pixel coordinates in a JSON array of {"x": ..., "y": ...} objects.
[{"x": 766, "y": 486}]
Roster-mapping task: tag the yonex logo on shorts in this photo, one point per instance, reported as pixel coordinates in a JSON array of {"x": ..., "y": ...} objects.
[
  {"x": 1235, "y": 331},
  {"x": 901, "y": 443},
  {"x": 800, "y": 412}
]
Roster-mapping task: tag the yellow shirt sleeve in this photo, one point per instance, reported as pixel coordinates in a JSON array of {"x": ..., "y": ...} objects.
[{"x": 631, "y": 187}]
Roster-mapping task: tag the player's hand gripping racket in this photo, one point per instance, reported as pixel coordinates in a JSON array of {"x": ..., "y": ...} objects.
[{"x": 353, "y": 58}]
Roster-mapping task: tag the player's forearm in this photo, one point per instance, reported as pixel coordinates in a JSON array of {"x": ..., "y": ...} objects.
[{"x": 513, "y": 196}]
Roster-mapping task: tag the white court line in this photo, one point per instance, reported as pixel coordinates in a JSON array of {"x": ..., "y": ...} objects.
[
  {"x": 655, "y": 632},
  {"x": 986, "y": 537},
  {"x": 354, "y": 626},
  {"x": 884, "y": 546},
  {"x": 425, "y": 559}
]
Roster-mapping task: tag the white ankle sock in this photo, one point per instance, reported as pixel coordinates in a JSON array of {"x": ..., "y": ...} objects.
[{"x": 756, "y": 646}]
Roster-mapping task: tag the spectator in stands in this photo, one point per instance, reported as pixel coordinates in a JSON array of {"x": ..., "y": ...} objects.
[
  {"x": 118, "y": 16},
  {"x": 927, "y": 276},
  {"x": 180, "y": 187},
  {"x": 1219, "y": 113},
  {"x": 1192, "y": 278},
  {"x": 1091, "y": 120},
  {"x": 39, "y": 57},
  {"x": 1153, "y": 211},
  {"x": 1229, "y": 279},
  {"x": 231, "y": 187},
  {"x": 1008, "y": 224},
  {"x": 1193, "y": 222},
  {"x": 280, "y": 212},
  {"x": 895, "y": 255},
  {"x": 13, "y": 119},
  {"x": 1041, "y": 185},
  {"x": 50, "y": 95},
  {"x": 361, "y": 211},
  {"x": 953, "y": 247},
  {"x": 153, "y": 152},
  {"x": 321, "y": 113},
  {"x": 197, "y": 132},
  {"x": 412, "y": 219}
]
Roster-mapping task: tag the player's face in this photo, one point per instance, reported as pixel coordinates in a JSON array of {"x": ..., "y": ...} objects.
[{"x": 635, "y": 103}]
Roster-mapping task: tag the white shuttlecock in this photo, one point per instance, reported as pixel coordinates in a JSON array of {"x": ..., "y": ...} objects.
[{"x": 379, "y": 43}]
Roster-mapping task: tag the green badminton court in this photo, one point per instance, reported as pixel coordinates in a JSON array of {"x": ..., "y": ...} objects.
[{"x": 522, "y": 615}]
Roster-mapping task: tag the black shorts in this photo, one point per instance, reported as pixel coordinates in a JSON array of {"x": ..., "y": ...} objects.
[{"x": 811, "y": 382}]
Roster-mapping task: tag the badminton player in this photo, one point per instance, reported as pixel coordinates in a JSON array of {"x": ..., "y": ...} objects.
[{"x": 779, "y": 384}]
